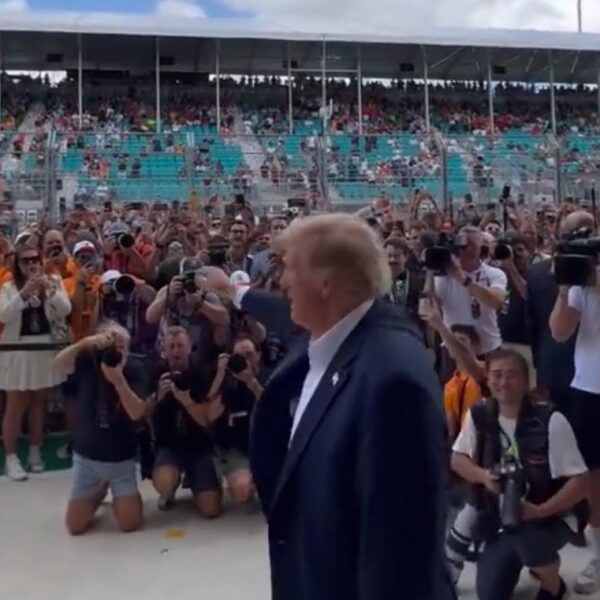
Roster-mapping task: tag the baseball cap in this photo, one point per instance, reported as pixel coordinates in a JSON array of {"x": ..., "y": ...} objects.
[
  {"x": 83, "y": 245},
  {"x": 109, "y": 276},
  {"x": 115, "y": 229}
]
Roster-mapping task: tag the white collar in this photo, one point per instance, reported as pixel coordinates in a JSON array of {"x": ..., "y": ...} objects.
[{"x": 322, "y": 350}]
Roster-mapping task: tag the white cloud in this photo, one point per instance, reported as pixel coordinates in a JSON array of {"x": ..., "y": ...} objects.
[
  {"x": 185, "y": 9},
  {"x": 13, "y": 6},
  {"x": 409, "y": 15}
]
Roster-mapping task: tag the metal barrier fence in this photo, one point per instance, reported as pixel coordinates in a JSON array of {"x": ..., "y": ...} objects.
[{"x": 49, "y": 169}]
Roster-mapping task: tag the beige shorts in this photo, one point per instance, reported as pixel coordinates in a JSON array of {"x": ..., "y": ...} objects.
[{"x": 230, "y": 461}]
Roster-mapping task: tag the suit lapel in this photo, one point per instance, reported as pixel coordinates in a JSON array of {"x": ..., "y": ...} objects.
[{"x": 331, "y": 385}]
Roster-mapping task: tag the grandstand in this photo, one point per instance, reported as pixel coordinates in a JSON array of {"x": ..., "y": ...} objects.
[{"x": 153, "y": 110}]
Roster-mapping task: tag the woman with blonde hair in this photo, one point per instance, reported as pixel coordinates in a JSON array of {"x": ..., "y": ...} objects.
[{"x": 33, "y": 310}]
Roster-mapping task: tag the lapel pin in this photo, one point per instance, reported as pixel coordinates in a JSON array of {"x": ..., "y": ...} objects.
[{"x": 335, "y": 379}]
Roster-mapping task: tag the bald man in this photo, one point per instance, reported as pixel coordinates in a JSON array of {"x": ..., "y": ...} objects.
[
  {"x": 576, "y": 314},
  {"x": 348, "y": 441}
]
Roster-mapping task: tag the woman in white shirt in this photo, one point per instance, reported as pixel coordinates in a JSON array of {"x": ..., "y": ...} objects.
[{"x": 33, "y": 310}]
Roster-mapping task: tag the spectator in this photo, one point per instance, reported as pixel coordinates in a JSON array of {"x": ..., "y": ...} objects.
[
  {"x": 120, "y": 252},
  {"x": 263, "y": 265},
  {"x": 33, "y": 309},
  {"x": 110, "y": 390},
  {"x": 237, "y": 256}
]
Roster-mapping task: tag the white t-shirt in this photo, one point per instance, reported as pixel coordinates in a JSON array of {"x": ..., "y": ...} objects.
[
  {"x": 457, "y": 304},
  {"x": 563, "y": 453},
  {"x": 587, "y": 346}
]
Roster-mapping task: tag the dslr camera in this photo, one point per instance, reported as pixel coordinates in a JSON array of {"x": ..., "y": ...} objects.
[
  {"x": 123, "y": 285},
  {"x": 181, "y": 380},
  {"x": 503, "y": 249},
  {"x": 438, "y": 254},
  {"x": 576, "y": 259},
  {"x": 111, "y": 357},
  {"x": 125, "y": 241},
  {"x": 512, "y": 485},
  {"x": 237, "y": 363}
]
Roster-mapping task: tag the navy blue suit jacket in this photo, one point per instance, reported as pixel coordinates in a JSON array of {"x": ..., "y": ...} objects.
[{"x": 355, "y": 506}]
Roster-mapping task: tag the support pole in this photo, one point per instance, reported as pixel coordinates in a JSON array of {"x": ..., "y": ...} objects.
[
  {"x": 426, "y": 82},
  {"x": 490, "y": 96},
  {"x": 579, "y": 16},
  {"x": 552, "y": 93},
  {"x": 1, "y": 75},
  {"x": 324, "y": 85},
  {"x": 359, "y": 84},
  {"x": 598, "y": 80},
  {"x": 80, "y": 80},
  {"x": 290, "y": 91},
  {"x": 158, "y": 105},
  {"x": 218, "y": 84}
]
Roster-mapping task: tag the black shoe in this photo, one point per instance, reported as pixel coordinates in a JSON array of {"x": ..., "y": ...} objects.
[
  {"x": 165, "y": 504},
  {"x": 546, "y": 595}
]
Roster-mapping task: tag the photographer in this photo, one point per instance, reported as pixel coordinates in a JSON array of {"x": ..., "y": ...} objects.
[
  {"x": 56, "y": 259},
  {"x": 526, "y": 471},
  {"x": 120, "y": 253},
  {"x": 471, "y": 292},
  {"x": 242, "y": 388},
  {"x": 188, "y": 302},
  {"x": 263, "y": 264},
  {"x": 109, "y": 389},
  {"x": 577, "y": 311},
  {"x": 179, "y": 425}
]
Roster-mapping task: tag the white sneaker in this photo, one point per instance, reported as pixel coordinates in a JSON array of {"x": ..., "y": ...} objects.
[
  {"x": 588, "y": 581},
  {"x": 35, "y": 462},
  {"x": 14, "y": 469}
]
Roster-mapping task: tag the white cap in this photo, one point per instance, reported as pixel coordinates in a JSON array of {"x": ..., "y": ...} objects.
[
  {"x": 83, "y": 245},
  {"x": 22, "y": 236},
  {"x": 239, "y": 278},
  {"x": 109, "y": 276}
]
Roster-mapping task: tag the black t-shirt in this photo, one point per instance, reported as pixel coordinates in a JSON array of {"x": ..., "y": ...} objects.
[
  {"x": 103, "y": 431},
  {"x": 173, "y": 427},
  {"x": 512, "y": 317},
  {"x": 34, "y": 321},
  {"x": 232, "y": 428}
]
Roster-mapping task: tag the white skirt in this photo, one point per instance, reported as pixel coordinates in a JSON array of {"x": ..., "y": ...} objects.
[{"x": 29, "y": 370}]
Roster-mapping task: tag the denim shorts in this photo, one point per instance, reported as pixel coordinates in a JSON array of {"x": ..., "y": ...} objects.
[{"x": 89, "y": 475}]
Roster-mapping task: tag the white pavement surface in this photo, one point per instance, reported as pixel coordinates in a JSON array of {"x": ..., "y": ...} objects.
[{"x": 225, "y": 559}]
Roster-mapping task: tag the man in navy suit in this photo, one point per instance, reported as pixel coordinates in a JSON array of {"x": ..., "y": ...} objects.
[{"x": 348, "y": 447}]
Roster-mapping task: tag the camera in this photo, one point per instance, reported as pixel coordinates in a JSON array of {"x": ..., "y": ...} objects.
[
  {"x": 576, "y": 259},
  {"x": 237, "y": 363},
  {"x": 181, "y": 380},
  {"x": 125, "y": 241},
  {"x": 123, "y": 285},
  {"x": 512, "y": 485},
  {"x": 274, "y": 351},
  {"x": 503, "y": 250},
  {"x": 111, "y": 357},
  {"x": 189, "y": 282},
  {"x": 55, "y": 252},
  {"x": 438, "y": 255}
]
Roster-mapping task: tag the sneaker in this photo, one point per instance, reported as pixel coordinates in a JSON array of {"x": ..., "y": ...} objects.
[
  {"x": 35, "y": 462},
  {"x": 588, "y": 580},
  {"x": 546, "y": 595},
  {"x": 166, "y": 503},
  {"x": 14, "y": 469}
]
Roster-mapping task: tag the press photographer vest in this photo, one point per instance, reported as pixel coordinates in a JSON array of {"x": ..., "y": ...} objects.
[{"x": 532, "y": 441}]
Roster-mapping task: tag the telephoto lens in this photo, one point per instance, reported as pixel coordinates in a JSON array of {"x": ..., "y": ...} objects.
[
  {"x": 124, "y": 285},
  {"x": 111, "y": 357},
  {"x": 237, "y": 363},
  {"x": 181, "y": 380},
  {"x": 189, "y": 282},
  {"x": 503, "y": 251},
  {"x": 125, "y": 240}
]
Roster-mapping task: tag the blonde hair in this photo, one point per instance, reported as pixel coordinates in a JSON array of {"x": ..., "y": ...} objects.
[
  {"x": 117, "y": 329},
  {"x": 344, "y": 244}
]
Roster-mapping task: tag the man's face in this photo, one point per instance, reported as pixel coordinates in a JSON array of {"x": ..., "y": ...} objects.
[
  {"x": 246, "y": 349},
  {"x": 396, "y": 260},
  {"x": 53, "y": 243},
  {"x": 277, "y": 227},
  {"x": 493, "y": 229},
  {"x": 238, "y": 235},
  {"x": 301, "y": 285},
  {"x": 521, "y": 255},
  {"x": 506, "y": 382},
  {"x": 177, "y": 350},
  {"x": 530, "y": 235},
  {"x": 414, "y": 240}
]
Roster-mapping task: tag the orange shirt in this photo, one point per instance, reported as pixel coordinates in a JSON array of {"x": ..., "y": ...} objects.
[
  {"x": 460, "y": 393},
  {"x": 81, "y": 317},
  {"x": 5, "y": 275}
]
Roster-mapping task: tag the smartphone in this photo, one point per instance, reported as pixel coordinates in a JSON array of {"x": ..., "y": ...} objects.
[{"x": 108, "y": 206}]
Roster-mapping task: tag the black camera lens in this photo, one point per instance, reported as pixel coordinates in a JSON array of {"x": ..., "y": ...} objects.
[
  {"x": 111, "y": 357},
  {"x": 237, "y": 363},
  {"x": 189, "y": 282},
  {"x": 438, "y": 258},
  {"x": 217, "y": 258},
  {"x": 124, "y": 285},
  {"x": 181, "y": 380},
  {"x": 503, "y": 251},
  {"x": 125, "y": 240}
]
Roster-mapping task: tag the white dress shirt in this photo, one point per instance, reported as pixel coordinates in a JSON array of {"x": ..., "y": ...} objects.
[{"x": 320, "y": 354}]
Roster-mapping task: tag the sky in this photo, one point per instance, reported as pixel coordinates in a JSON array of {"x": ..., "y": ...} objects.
[{"x": 373, "y": 15}]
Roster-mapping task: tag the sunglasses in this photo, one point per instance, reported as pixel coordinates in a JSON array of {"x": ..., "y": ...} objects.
[{"x": 29, "y": 260}]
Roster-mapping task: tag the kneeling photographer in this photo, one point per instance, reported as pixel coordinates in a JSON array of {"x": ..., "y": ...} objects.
[
  {"x": 242, "y": 388},
  {"x": 179, "y": 425},
  {"x": 526, "y": 471},
  {"x": 109, "y": 389}
]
